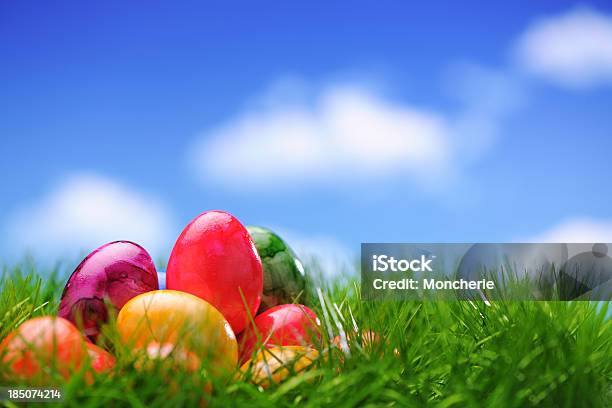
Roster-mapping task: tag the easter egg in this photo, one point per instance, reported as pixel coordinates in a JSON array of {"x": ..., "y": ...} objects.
[
  {"x": 100, "y": 359},
  {"x": 113, "y": 273},
  {"x": 275, "y": 364},
  {"x": 282, "y": 325},
  {"x": 369, "y": 341},
  {"x": 171, "y": 354},
  {"x": 182, "y": 320},
  {"x": 215, "y": 259},
  {"x": 165, "y": 360},
  {"x": 283, "y": 273},
  {"x": 42, "y": 342}
]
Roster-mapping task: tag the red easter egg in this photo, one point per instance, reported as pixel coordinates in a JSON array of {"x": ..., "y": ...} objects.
[
  {"x": 215, "y": 259},
  {"x": 115, "y": 272},
  {"x": 282, "y": 325},
  {"x": 39, "y": 343}
]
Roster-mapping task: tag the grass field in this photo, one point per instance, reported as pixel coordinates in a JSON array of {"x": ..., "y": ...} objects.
[{"x": 442, "y": 354}]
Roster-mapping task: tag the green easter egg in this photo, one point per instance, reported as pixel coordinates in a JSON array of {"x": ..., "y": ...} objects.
[{"x": 283, "y": 273}]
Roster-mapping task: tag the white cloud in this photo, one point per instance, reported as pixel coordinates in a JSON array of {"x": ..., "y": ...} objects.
[
  {"x": 572, "y": 49},
  {"x": 346, "y": 134},
  {"x": 577, "y": 230},
  {"x": 487, "y": 97},
  {"x": 84, "y": 212},
  {"x": 582, "y": 232}
]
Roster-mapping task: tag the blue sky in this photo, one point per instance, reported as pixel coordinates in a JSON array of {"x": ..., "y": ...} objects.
[{"x": 334, "y": 123}]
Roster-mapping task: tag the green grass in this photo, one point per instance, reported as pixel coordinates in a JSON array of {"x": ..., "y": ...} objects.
[{"x": 451, "y": 354}]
